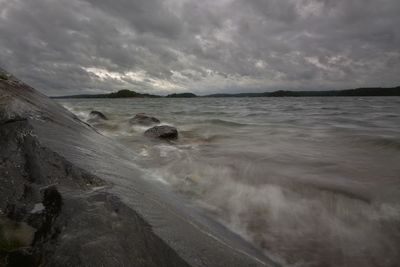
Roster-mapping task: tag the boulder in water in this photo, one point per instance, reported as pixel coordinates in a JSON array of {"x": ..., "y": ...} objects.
[
  {"x": 163, "y": 132},
  {"x": 97, "y": 115},
  {"x": 143, "y": 119}
]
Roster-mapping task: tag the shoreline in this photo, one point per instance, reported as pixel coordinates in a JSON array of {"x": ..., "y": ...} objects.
[{"x": 88, "y": 203}]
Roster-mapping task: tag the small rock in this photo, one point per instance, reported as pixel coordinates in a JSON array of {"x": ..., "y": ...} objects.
[
  {"x": 162, "y": 132},
  {"x": 97, "y": 115},
  {"x": 143, "y": 119}
]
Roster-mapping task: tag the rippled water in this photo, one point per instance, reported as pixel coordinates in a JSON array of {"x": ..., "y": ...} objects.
[{"x": 310, "y": 181}]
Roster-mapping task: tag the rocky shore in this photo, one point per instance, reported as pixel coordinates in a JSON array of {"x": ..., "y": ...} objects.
[{"x": 70, "y": 196}]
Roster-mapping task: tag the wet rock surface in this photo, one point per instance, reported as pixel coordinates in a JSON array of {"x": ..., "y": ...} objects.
[
  {"x": 162, "y": 132},
  {"x": 76, "y": 227},
  {"x": 76, "y": 192},
  {"x": 143, "y": 119}
]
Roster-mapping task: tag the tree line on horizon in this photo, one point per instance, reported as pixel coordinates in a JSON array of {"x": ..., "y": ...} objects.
[{"x": 371, "y": 91}]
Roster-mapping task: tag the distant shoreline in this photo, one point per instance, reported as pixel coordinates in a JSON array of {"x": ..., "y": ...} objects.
[{"x": 372, "y": 91}]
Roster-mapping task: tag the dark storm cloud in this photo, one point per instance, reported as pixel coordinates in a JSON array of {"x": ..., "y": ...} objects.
[{"x": 73, "y": 46}]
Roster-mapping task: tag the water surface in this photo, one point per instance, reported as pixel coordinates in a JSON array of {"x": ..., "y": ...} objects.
[{"x": 310, "y": 181}]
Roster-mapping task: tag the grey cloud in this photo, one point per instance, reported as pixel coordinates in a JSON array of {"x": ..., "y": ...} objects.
[
  {"x": 144, "y": 16},
  {"x": 74, "y": 46}
]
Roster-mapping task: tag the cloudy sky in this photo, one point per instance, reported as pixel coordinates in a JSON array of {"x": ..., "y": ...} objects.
[{"x": 92, "y": 46}]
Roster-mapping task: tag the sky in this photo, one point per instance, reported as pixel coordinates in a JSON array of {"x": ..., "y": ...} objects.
[{"x": 64, "y": 47}]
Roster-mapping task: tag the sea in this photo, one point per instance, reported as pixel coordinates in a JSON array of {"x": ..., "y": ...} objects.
[{"x": 309, "y": 181}]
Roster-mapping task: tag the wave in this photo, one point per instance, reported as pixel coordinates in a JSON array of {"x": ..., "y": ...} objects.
[
  {"x": 221, "y": 122},
  {"x": 342, "y": 224},
  {"x": 289, "y": 220},
  {"x": 201, "y": 113},
  {"x": 196, "y": 136},
  {"x": 256, "y": 114},
  {"x": 83, "y": 115},
  {"x": 387, "y": 143},
  {"x": 376, "y": 142}
]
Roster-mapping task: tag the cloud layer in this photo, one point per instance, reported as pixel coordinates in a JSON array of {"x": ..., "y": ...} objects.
[{"x": 154, "y": 46}]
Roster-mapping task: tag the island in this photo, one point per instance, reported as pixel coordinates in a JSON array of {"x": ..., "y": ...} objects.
[
  {"x": 370, "y": 91},
  {"x": 182, "y": 95},
  {"x": 119, "y": 94}
]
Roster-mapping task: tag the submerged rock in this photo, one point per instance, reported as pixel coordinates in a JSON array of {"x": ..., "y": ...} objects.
[
  {"x": 143, "y": 119},
  {"x": 162, "y": 132},
  {"x": 97, "y": 115}
]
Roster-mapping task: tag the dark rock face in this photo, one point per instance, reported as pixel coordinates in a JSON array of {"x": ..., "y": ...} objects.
[
  {"x": 97, "y": 223},
  {"x": 143, "y": 119},
  {"x": 97, "y": 115},
  {"x": 119, "y": 238},
  {"x": 162, "y": 132}
]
